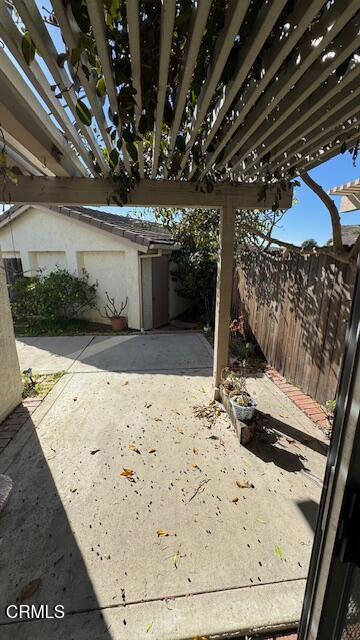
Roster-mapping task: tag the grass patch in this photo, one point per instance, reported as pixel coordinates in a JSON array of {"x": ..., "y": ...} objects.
[
  {"x": 65, "y": 328},
  {"x": 38, "y": 385}
]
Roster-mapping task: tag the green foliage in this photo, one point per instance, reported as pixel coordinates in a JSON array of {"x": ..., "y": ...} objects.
[
  {"x": 59, "y": 295},
  {"x": 39, "y": 385},
  {"x": 197, "y": 232},
  {"x": 241, "y": 349},
  {"x": 196, "y": 261},
  {"x": 28, "y": 48},
  {"x": 83, "y": 112},
  {"x": 309, "y": 244}
]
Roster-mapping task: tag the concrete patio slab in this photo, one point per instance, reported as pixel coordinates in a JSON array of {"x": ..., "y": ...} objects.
[
  {"x": 48, "y": 355},
  {"x": 149, "y": 352},
  {"x": 233, "y": 560}
]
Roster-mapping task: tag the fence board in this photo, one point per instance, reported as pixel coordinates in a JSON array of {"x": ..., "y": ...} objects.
[{"x": 297, "y": 309}]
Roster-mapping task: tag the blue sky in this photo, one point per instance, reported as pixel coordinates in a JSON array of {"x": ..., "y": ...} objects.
[{"x": 309, "y": 218}]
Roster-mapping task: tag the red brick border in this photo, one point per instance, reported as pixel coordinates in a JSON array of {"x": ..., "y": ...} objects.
[
  {"x": 12, "y": 424},
  {"x": 292, "y": 637},
  {"x": 312, "y": 409}
]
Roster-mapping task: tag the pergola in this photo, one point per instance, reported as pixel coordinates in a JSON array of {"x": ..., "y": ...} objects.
[
  {"x": 175, "y": 103},
  {"x": 350, "y": 192}
]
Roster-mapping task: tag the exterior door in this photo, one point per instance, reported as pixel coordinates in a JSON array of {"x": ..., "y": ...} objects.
[
  {"x": 331, "y": 609},
  {"x": 160, "y": 291}
]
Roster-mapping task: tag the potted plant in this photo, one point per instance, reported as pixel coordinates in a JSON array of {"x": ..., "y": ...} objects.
[
  {"x": 118, "y": 321},
  {"x": 242, "y": 403}
]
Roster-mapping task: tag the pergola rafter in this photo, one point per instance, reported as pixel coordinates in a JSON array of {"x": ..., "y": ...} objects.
[
  {"x": 299, "y": 23},
  {"x": 96, "y": 15},
  {"x": 343, "y": 46},
  {"x": 71, "y": 35},
  {"x": 250, "y": 80},
  {"x": 12, "y": 39},
  {"x": 33, "y": 21}
]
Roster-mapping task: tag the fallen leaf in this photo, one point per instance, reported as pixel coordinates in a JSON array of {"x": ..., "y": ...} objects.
[
  {"x": 161, "y": 533},
  {"x": 195, "y": 450},
  {"x": 125, "y": 383},
  {"x": 152, "y": 451},
  {"x": 149, "y": 627},
  {"x": 278, "y": 552},
  {"x": 221, "y": 441},
  {"x": 195, "y": 466},
  {"x": 148, "y": 405},
  {"x": 92, "y": 453},
  {"x": 200, "y": 638},
  {"x": 158, "y": 419},
  {"x": 132, "y": 447},
  {"x": 180, "y": 431},
  {"x": 30, "y": 589},
  {"x": 213, "y": 438},
  {"x": 260, "y": 520},
  {"x": 127, "y": 473},
  {"x": 236, "y": 499},
  {"x": 176, "y": 559},
  {"x": 244, "y": 484}
]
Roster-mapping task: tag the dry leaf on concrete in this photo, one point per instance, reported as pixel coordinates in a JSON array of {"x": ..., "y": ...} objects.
[
  {"x": 30, "y": 589},
  {"x": 278, "y": 552},
  {"x": 152, "y": 451},
  {"x": 132, "y": 447},
  {"x": 236, "y": 499},
  {"x": 244, "y": 484},
  {"x": 127, "y": 473},
  {"x": 162, "y": 533}
]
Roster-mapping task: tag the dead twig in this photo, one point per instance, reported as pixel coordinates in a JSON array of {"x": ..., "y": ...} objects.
[{"x": 202, "y": 484}]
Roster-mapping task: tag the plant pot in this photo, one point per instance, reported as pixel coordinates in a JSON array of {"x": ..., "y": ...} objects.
[
  {"x": 119, "y": 324},
  {"x": 243, "y": 413}
]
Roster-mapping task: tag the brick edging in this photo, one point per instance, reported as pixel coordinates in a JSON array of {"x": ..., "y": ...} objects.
[
  {"x": 310, "y": 407},
  {"x": 16, "y": 419}
]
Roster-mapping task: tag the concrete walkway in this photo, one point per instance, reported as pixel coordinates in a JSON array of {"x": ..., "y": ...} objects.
[{"x": 178, "y": 549}]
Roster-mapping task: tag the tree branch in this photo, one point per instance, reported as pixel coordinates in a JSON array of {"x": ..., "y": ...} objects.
[
  {"x": 343, "y": 256},
  {"x": 332, "y": 209}
]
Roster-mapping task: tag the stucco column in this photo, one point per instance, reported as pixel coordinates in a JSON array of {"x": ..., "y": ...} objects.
[
  {"x": 223, "y": 291},
  {"x": 10, "y": 378}
]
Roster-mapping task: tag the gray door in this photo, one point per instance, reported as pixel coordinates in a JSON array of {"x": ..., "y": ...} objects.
[{"x": 160, "y": 291}]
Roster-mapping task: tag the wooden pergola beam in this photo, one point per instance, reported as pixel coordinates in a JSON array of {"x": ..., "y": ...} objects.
[{"x": 147, "y": 193}]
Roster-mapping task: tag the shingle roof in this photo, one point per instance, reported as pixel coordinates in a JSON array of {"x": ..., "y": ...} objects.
[
  {"x": 349, "y": 233},
  {"x": 141, "y": 232}
]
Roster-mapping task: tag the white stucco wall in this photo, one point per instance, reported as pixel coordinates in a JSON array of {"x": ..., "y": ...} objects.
[
  {"x": 45, "y": 238},
  {"x": 10, "y": 378}
]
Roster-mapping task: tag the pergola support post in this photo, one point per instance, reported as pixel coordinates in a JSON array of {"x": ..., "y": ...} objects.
[{"x": 223, "y": 290}]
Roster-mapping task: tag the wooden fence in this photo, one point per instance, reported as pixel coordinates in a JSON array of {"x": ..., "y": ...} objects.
[{"x": 297, "y": 309}]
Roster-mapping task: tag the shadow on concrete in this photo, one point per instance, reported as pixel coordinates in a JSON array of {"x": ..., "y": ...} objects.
[
  {"x": 38, "y": 544},
  {"x": 268, "y": 443},
  {"x": 309, "y": 509},
  {"x": 178, "y": 354}
]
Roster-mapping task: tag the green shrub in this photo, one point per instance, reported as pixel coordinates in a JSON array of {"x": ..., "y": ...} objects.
[
  {"x": 240, "y": 349},
  {"x": 56, "y": 296}
]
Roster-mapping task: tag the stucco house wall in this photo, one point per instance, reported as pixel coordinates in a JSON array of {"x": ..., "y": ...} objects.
[
  {"x": 10, "y": 378},
  {"x": 45, "y": 239}
]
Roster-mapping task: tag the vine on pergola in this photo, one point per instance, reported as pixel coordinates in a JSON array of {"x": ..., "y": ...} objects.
[{"x": 122, "y": 127}]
